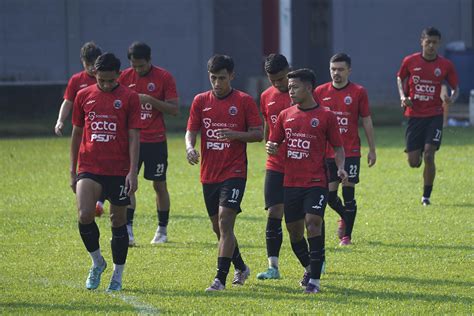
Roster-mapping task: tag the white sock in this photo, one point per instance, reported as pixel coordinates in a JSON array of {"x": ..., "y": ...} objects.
[
  {"x": 273, "y": 262},
  {"x": 161, "y": 230},
  {"x": 97, "y": 259},
  {"x": 314, "y": 281},
  {"x": 118, "y": 271},
  {"x": 308, "y": 269}
]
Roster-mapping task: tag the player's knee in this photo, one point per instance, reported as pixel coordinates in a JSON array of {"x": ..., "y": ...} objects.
[
  {"x": 414, "y": 162},
  {"x": 160, "y": 187},
  {"x": 314, "y": 228},
  {"x": 225, "y": 226},
  {"x": 429, "y": 157},
  {"x": 117, "y": 220},
  {"x": 85, "y": 217},
  {"x": 294, "y": 234}
]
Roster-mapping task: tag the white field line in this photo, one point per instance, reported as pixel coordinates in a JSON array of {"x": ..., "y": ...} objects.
[{"x": 141, "y": 307}]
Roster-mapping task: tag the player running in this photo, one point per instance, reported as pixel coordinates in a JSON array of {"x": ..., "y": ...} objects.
[
  {"x": 104, "y": 159},
  {"x": 307, "y": 129},
  {"x": 227, "y": 119},
  {"x": 423, "y": 74},
  {"x": 158, "y": 96},
  {"x": 78, "y": 81},
  {"x": 349, "y": 102}
]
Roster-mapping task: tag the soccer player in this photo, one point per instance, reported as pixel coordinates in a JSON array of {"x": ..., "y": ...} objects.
[
  {"x": 227, "y": 120},
  {"x": 423, "y": 74},
  {"x": 272, "y": 101},
  {"x": 158, "y": 96},
  {"x": 349, "y": 102},
  {"x": 104, "y": 158},
  {"x": 307, "y": 128},
  {"x": 83, "y": 79}
]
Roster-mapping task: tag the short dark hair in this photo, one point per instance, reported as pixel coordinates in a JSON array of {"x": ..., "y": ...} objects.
[
  {"x": 218, "y": 62},
  {"x": 107, "y": 62},
  {"x": 305, "y": 75},
  {"x": 89, "y": 52},
  {"x": 341, "y": 57},
  {"x": 274, "y": 63},
  {"x": 139, "y": 50},
  {"x": 430, "y": 31}
]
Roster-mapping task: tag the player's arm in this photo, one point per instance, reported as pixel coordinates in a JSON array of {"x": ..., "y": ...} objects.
[
  {"x": 76, "y": 138},
  {"x": 266, "y": 131},
  {"x": 253, "y": 134},
  {"x": 64, "y": 111},
  {"x": 131, "y": 181},
  {"x": 405, "y": 100},
  {"x": 170, "y": 107},
  {"x": 369, "y": 134},
  {"x": 340, "y": 158},
  {"x": 191, "y": 153}
]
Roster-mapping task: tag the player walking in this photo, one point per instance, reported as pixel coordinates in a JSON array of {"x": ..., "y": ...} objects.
[
  {"x": 349, "y": 102},
  {"x": 227, "y": 119}
]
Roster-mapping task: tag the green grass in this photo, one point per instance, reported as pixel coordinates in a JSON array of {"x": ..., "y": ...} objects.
[{"x": 407, "y": 259}]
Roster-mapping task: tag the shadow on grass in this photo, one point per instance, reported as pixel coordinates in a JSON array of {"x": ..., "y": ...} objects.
[
  {"x": 421, "y": 247},
  {"x": 59, "y": 308},
  {"x": 399, "y": 296},
  {"x": 242, "y": 217},
  {"x": 403, "y": 279}
]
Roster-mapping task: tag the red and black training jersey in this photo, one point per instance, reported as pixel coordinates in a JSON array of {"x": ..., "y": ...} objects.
[
  {"x": 159, "y": 84},
  {"x": 348, "y": 103},
  {"x": 307, "y": 133},
  {"x": 272, "y": 102},
  {"x": 425, "y": 78},
  {"x": 77, "y": 82},
  {"x": 222, "y": 159},
  {"x": 106, "y": 118}
]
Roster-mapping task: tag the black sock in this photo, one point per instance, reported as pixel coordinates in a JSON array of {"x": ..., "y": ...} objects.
[
  {"x": 323, "y": 236},
  {"x": 335, "y": 203},
  {"x": 237, "y": 259},
  {"x": 163, "y": 217},
  {"x": 316, "y": 255},
  {"x": 119, "y": 244},
  {"x": 274, "y": 237},
  {"x": 90, "y": 236},
  {"x": 223, "y": 266},
  {"x": 130, "y": 213},
  {"x": 300, "y": 249},
  {"x": 350, "y": 209},
  {"x": 427, "y": 191}
]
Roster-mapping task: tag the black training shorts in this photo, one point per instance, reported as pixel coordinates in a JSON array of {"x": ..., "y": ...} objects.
[
  {"x": 228, "y": 193},
  {"x": 299, "y": 201},
  {"x": 423, "y": 130},
  {"x": 351, "y": 165},
  {"x": 273, "y": 188},
  {"x": 155, "y": 157},
  {"x": 113, "y": 187}
]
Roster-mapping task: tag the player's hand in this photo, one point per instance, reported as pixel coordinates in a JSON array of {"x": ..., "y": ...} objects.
[
  {"x": 58, "y": 129},
  {"x": 226, "y": 134},
  {"x": 341, "y": 173},
  {"x": 131, "y": 183},
  {"x": 192, "y": 155},
  {"x": 447, "y": 100},
  {"x": 271, "y": 147},
  {"x": 73, "y": 182},
  {"x": 371, "y": 158},
  {"x": 406, "y": 102}
]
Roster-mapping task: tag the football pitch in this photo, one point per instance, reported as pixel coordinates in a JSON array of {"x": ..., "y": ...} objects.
[{"x": 406, "y": 258}]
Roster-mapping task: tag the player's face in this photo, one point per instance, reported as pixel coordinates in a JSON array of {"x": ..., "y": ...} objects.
[
  {"x": 88, "y": 67},
  {"x": 298, "y": 90},
  {"x": 107, "y": 80},
  {"x": 340, "y": 72},
  {"x": 430, "y": 45},
  {"x": 141, "y": 66},
  {"x": 220, "y": 82},
  {"x": 279, "y": 80}
]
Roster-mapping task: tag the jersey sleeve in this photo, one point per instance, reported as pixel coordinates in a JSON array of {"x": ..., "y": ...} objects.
[
  {"x": 452, "y": 76},
  {"x": 170, "y": 87},
  {"x": 78, "y": 111},
  {"x": 277, "y": 134},
  {"x": 134, "y": 119},
  {"x": 403, "y": 71},
  {"x": 333, "y": 135},
  {"x": 70, "y": 92},
  {"x": 194, "y": 121},
  {"x": 251, "y": 113},
  {"x": 364, "y": 110}
]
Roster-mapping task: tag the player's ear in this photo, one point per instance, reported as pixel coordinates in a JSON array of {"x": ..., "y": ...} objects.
[{"x": 232, "y": 75}]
